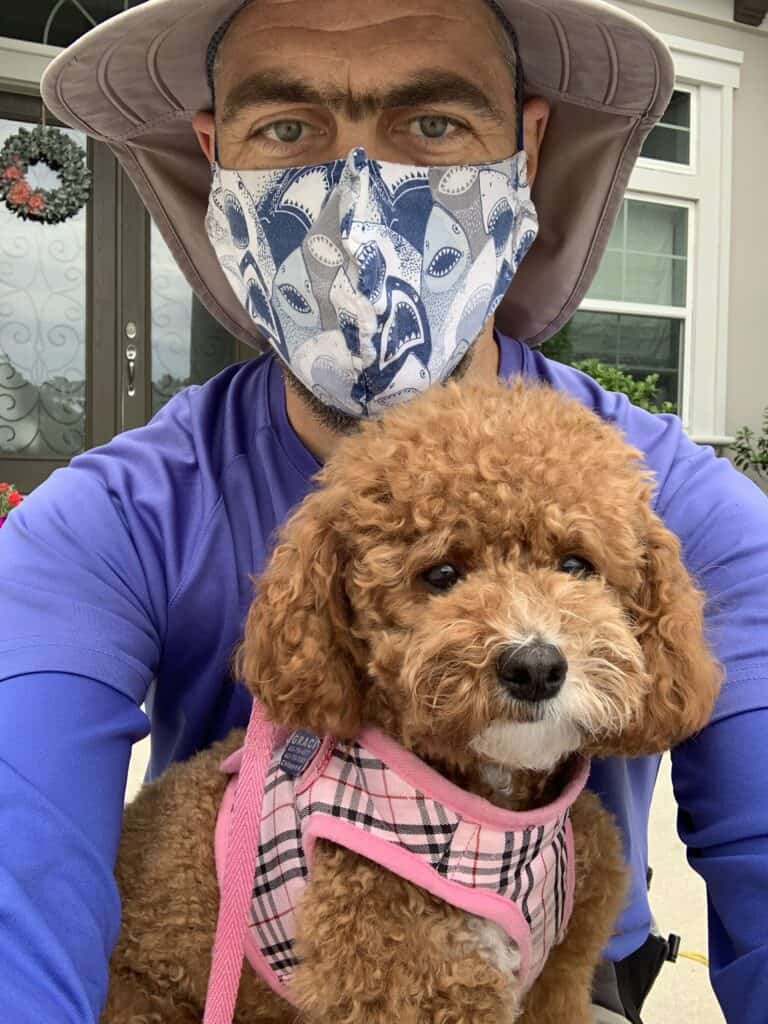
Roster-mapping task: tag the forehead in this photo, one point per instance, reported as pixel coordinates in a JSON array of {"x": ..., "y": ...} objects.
[{"x": 363, "y": 44}]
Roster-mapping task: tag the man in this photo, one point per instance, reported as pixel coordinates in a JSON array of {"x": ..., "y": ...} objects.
[{"x": 126, "y": 576}]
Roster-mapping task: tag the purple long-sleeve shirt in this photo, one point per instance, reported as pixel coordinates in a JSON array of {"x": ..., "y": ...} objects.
[{"x": 125, "y": 577}]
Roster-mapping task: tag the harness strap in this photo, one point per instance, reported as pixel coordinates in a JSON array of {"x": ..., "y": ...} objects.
[{"x": 235, "y": 898}]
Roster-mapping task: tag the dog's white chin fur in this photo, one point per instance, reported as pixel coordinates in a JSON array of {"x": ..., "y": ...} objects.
[{"x": 535, "y": 746}]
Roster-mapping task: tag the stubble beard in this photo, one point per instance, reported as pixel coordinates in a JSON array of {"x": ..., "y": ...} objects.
[{"x": 342, "y": 423}]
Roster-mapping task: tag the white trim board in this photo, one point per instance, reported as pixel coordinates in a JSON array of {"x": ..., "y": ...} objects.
[
  {"x": 720, "y": 12},
  {"x": 22, "y": 63},
  {"x": 699, "y": 62}
]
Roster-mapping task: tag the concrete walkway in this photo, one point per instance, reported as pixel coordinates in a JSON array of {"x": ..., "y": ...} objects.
[{"x": 683, "y": 991}]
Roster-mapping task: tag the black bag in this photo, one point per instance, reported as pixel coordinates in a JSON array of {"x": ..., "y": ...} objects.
[{"x": 624, "y": 986}]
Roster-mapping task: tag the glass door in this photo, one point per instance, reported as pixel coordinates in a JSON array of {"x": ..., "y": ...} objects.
[
  {"x": 48, "y": 318},
  {"x": 167, "y": 340},
  {"x": 98, "y": 327},
  {"x": 188, "y": 345}
]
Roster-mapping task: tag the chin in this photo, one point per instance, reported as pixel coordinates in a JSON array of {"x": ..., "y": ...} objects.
[{"x": 539, "y": 744}]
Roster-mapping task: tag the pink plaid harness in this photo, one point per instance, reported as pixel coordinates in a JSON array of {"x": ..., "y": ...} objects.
[{"x": 379, "y": 800}]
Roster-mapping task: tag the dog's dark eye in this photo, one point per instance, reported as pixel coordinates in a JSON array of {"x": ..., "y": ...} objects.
[
  {"x": 441, "y": 577},
  {"x": 577, "y": 566}
]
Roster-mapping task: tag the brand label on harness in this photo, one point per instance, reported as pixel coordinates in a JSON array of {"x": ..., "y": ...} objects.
[{"x": 298, "y": 754}]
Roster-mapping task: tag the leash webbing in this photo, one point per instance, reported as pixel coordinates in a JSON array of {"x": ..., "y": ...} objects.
[{"x": 235, "y": 897}]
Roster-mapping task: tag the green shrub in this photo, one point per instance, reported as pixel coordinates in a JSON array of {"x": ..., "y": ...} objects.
[
  {"x": 750, "y": 450},
  {"x": 644, "y": 393}
]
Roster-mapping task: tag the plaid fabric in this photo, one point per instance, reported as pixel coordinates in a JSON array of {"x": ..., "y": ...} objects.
[{"x": 527, "y": 865}]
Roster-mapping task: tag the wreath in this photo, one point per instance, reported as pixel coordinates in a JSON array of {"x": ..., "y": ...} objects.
[{"x": 52, "y": 147}]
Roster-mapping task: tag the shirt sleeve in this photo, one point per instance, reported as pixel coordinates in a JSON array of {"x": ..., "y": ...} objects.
[
  {"x": 89, "y": 563},
  {"x": 91, "y": 560},
  {"x": 64, "y": 746},
  {"x": 721, "y": 518}
]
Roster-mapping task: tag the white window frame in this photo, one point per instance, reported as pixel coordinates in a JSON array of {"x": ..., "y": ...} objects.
[{"x": 712, "y": 74}]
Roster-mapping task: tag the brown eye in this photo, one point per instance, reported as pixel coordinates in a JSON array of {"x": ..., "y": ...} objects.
[
  {"x": 577, "y": 566},
  {"x": 441, "y": 577}
]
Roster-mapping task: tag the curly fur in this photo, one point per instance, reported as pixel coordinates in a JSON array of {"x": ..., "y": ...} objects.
[{"x": 503, "y": 483}]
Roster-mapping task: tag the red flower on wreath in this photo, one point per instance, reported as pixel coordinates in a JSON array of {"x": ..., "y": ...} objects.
[
  {"x": 14, "y": 499},
  {"x": 12, "y": 173},
  {"x": 4, "y": 487},
  {"x": 18, "y": 194},
  {"x": 36, "y": 202}
]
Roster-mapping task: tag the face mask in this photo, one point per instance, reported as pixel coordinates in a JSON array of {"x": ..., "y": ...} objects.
[{"x": 371, "y": 280}]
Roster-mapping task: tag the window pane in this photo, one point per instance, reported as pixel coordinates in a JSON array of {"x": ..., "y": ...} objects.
[
  {"x": 649, "y": 260},
  {"x": 42, "y": 326},
  {"x": 188, "y": 345},
  {"x": 28, "y": 20},
  {"x": 655, "y": 280},
  {"x": 670, "y": 140},
  {"x": 638, "y": 345},
  {"x": 657, "y": 228},
  {"x": 618, "y": 238},
  {"x": 171, "y": 302},
  {"x": 668, "y": 144},
  {"x": 609, "y": 280},
  {"x": 679, "y": 110}
]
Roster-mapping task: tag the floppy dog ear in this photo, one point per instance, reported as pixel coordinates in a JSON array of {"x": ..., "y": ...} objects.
[
  {"x": 684, "y": 675},
  {"x": 298, "y": 655}
]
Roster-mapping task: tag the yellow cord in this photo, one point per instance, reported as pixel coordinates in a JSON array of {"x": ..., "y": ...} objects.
[{"x": 697, "y": 958}]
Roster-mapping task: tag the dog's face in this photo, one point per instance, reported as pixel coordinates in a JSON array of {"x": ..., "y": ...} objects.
[{"x": 480, "y": 574}]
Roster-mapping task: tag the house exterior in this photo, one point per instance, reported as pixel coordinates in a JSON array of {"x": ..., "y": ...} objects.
[{"x": 98, "y": 327}]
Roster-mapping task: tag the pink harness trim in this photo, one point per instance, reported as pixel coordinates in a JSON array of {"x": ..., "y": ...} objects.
[
  {"x": 229, "y": 943},
  {"x": 348, "y": 795}
]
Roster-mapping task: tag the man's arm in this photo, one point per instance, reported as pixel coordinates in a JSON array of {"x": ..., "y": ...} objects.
[
  {"x": 719, "y": 781},
  {"x": 87, "y": 567},
  {"x": 719, "y": 776},
  {"x": 64, "y": 746}
]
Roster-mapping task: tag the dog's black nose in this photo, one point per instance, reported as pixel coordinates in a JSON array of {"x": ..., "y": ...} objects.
[{"x": 533, "y": 672}]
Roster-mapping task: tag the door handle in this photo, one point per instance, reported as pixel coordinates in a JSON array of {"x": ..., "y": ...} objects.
[{"x": 130, "y": 355}]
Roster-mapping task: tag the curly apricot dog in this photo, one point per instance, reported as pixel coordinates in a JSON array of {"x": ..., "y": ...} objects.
[{"x": 480, "y": 579}]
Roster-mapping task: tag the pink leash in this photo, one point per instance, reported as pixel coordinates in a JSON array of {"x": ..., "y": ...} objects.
[{"x": 237, "y": 885}]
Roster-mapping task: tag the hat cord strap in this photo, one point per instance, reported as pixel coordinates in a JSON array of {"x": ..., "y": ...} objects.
[{"x": 239, "y": 867}]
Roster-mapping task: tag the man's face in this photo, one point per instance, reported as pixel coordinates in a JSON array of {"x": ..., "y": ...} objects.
[{"x": 412, "y": 81}]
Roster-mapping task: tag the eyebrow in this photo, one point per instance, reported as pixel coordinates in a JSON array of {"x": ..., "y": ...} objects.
[{"x": 431, "y": 85}]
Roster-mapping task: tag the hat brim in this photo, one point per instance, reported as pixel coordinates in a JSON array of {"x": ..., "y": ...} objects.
[{"x": 135, "y": 82}]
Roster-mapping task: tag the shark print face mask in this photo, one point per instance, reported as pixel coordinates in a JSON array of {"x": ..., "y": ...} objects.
[{"x": 371, "y": 280}]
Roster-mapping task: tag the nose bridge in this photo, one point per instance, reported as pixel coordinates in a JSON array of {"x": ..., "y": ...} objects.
[
  {"x": 354, "y": 208},
  {"x": 528, "y": 611}
]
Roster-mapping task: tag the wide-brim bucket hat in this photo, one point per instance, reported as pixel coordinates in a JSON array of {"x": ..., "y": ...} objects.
[{"x": 136, "y": 80}]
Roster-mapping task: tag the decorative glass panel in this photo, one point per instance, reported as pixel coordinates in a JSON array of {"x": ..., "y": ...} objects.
[
  {"x": 647, "y": 256},
  {"x": 638, "y": 345},
  {"x": 670, "y": 140},
  {"x": 188, "y": 345},
  {"x": 42, "y": 326},
  {"x": 57, "y": 22},
  {"x": 171, "y": 317}
]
